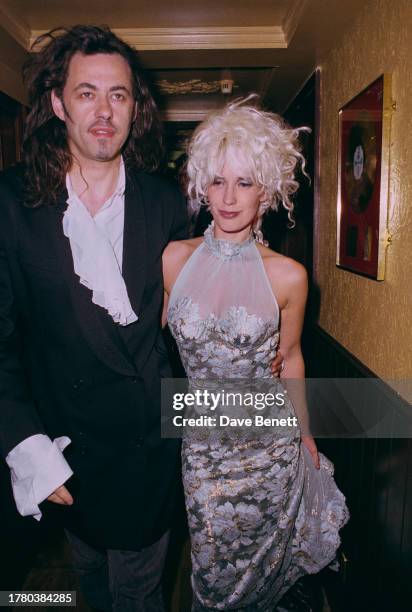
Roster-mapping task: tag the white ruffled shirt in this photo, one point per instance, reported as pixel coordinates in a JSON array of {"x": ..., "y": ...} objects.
[
  {"x": 97, "y": 249},
  {"x": 38, "y": 466}
]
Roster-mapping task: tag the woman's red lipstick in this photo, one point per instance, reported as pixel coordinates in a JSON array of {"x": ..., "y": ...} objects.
[{"x": 226, "y": 214}]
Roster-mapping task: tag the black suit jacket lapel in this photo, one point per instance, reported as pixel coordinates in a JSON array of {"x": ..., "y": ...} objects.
[
  {"x": 134, "y": 244},
  {"x": 96, "y": 325}
]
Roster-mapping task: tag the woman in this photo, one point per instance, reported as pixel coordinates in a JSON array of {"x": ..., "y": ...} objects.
[{"x": 261, "y": 513}]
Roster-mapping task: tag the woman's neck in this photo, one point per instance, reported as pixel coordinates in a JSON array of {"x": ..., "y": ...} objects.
[{"x": 239, "y": 236}]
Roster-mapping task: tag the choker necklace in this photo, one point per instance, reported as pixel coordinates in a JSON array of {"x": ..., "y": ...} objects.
[{"x": 225, "y": 249}]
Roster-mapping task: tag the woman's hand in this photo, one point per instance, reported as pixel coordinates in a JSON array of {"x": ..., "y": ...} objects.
[
  {"x": 310, "y": 444},
  {"x": 277, "y": 365}
]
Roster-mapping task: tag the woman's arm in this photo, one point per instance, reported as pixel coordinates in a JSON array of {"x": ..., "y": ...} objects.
[
  {"x": 291, "y": 286},
  {"x": 164, "y": 309},
  {"x": 292, "y": 311},
  {"x": 168, "y": 265},
  {"x": 174, "y": 257}
]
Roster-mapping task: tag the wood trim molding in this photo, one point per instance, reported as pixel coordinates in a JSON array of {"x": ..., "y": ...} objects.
[
  {"x": 16, "y": 29},
  {"x": 184, "y": 115},
  {"x": 169, "y": 39},
  {"x": 207, "y": 37},
  {"x": 291, "y": 21}
]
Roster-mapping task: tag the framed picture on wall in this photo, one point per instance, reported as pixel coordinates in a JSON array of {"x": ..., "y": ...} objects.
[{"x": 363, "y": 177}]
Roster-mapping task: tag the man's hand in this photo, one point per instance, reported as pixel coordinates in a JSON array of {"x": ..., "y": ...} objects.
[
  {"x": 277, "y": 364},
  {"x": 61, "y": 496},
  {"x": 310, "y": 444}
]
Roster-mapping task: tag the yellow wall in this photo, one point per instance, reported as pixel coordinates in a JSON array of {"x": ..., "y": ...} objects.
[{"x": 372, "y": 319}]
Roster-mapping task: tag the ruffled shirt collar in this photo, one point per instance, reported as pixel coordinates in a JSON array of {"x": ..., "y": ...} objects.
[{"x": 94, "y": 257}]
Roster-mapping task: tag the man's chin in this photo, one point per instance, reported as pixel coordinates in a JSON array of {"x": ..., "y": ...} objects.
[
  {"x": 100, "y": 153},
  {"x": 107, "y": 151},
  {"x": 106, "y": 156}
]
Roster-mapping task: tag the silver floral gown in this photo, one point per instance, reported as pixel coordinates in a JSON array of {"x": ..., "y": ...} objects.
[{"x": 260, "y": 515}]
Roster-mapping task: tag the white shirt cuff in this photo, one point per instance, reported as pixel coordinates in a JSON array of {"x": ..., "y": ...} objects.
[{"x": 38, "y": 468}]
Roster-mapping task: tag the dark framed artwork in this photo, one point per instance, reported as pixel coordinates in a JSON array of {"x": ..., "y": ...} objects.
[{"x": 363, "y": 180}]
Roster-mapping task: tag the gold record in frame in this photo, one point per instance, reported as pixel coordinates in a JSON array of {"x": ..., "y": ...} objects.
[
  {"x": 363, "y": 180},
  {"x": 360, "y": 166}
]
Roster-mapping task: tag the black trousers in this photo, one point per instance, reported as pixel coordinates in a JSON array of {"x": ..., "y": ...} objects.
[{"x": 120, "y": 580}]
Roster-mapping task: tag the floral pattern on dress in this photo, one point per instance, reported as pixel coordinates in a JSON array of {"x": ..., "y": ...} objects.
[
  {"x": 233, "y": 346},
  {"x": 260, "y": 515}
]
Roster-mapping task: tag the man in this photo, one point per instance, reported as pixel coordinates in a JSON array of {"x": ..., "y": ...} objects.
[
  {"x": 81, "y": 238},
  {"x": 83, "y": 227}
]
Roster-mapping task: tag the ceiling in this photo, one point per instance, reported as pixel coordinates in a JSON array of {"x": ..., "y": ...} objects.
[
  {"x": 270, "y": 47},
  {"x": 141, "y": 13}
]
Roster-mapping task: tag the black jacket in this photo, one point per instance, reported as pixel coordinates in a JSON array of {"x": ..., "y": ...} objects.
[{"x": 67, "y": 369}]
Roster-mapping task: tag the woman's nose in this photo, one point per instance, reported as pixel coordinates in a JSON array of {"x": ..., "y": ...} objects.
[{"x": 229, "y": 196}]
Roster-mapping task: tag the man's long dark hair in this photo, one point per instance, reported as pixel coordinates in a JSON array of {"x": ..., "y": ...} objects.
[{"x": 45, "y": 149}]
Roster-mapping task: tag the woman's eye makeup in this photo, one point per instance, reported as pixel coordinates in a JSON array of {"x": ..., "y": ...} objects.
[{"x": 242, "y": 182}]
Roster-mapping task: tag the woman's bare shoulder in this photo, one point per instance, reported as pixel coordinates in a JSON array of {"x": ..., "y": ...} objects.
[
  {"x": 178, "y": 249},
  {"x": 175, "y": 256},
  {"x": 280, "y": 266}
]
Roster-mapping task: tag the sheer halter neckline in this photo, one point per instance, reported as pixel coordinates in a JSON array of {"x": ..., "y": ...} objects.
[{"x": 225, "y": 249}]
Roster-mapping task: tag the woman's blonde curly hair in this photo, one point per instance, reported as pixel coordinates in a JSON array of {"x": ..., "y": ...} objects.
[{"x": 256, "y": 140}]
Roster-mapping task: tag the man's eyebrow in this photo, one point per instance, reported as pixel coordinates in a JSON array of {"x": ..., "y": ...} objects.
[
  {"x": 121, "y": 87},
  {"x": 86, "y": 85}
]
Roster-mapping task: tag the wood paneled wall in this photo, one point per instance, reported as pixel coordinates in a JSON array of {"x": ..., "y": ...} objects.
[{"x": 376, "y": 477}]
